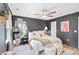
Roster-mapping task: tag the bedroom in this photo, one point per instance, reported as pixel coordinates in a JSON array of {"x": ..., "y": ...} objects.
[{"x": 49, "y": 27}]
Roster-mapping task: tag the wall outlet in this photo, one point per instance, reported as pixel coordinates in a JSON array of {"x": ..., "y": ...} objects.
[
  {"x": 67, "y": 39},
  {"x": 75, "y": 31}
]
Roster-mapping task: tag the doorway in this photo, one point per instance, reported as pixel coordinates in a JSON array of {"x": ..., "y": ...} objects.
[{"x": 53, "y": 29}]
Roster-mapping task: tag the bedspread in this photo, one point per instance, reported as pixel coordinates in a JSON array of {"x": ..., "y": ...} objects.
[{"x": 49, "y": 41}]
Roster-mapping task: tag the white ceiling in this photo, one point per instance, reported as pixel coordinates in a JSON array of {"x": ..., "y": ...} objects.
[{"x": 29, "y": 9}]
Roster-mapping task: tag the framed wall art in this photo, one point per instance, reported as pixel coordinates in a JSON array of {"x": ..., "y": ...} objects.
[{"x": 64, "y": 26}]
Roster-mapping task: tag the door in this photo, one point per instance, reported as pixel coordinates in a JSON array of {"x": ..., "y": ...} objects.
[{"x": 53, "y": 29}]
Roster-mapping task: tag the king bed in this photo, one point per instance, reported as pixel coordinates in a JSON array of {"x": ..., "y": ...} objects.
[{"x": 43, "y": 42}]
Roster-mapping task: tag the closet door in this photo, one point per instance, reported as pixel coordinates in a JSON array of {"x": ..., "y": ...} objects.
[{"x": 2, "y": 38}]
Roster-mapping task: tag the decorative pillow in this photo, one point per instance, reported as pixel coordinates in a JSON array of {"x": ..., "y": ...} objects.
[
  {"x": 36, "y": 33},
  {"x": 42, "y": 33}
]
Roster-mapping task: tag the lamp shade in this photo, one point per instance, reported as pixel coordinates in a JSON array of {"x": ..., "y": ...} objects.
[{"x": 45, "y": 28}]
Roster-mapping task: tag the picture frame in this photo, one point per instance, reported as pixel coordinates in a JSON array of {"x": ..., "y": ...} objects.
[{"x": 65, "y": 26}]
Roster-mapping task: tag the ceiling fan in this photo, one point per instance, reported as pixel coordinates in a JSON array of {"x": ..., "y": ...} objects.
[{"x": 45, "y": 13}]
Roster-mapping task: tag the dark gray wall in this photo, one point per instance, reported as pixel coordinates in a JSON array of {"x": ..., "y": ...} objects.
[
  {"x": 73, "y": 25},
  {"x": 35, "y": 24},
  {"x": 2, "y": 32},
  {"x": 32, "y": 24}
]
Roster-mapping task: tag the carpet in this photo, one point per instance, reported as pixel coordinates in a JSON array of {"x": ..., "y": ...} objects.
[{"x": 25, "y": 50}]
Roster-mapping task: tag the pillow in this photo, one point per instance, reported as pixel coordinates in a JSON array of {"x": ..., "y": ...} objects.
[
  {"x": 36, "y": 33},
  {"x": 42, "y": 33}
]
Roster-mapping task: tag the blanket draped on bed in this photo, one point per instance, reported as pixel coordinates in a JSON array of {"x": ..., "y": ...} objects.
[{"x": 49, "y": 41}]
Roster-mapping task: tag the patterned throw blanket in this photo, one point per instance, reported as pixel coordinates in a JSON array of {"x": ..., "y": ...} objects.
[{"x": 49, "y": 41}]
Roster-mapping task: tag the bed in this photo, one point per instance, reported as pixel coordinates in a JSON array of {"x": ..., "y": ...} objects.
[{"x": 41, "y": 41}]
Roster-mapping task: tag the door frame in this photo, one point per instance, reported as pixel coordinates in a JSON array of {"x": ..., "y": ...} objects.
[{"x": 54, "y": 23}]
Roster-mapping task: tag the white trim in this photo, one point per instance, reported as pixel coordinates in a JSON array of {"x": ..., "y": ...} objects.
[{"x": 78, "y": 32}]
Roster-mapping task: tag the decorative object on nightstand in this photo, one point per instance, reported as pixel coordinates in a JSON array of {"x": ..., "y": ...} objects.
[{"x": 46, "y": 30}]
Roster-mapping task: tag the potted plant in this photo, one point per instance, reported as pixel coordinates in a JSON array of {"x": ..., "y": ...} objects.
[{"x": 3, "y": 16}]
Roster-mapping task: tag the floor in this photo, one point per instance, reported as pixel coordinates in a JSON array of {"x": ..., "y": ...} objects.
[
  {"x": 21, "y": 50},
  {"x": 68, "y": 48}
]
